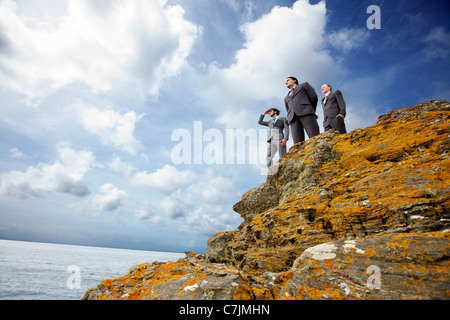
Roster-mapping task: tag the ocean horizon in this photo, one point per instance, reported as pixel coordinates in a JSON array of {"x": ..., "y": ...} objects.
[{"x": 50, "y": 271}]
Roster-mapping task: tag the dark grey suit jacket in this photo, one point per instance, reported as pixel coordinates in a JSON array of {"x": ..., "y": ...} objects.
[
  {"x": 304, "y": 101},
  {"x": 333, "y": 106},
  {"x": 276, "y": 130}
]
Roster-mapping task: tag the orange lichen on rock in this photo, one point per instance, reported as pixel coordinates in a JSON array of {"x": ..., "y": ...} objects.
[{"x": 363, "y": 215}]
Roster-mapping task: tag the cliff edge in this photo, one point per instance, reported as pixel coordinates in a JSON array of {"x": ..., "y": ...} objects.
[{"x": 364, "y": 215}]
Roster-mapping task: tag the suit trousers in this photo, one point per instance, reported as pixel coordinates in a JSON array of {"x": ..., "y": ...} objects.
[
  {"x": 307, "y": 123},
  {"x": 337, "y": 123},
  {"x": 273, "y": 147}
]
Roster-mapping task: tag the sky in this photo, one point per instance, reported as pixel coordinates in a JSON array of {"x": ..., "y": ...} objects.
[{"x": 134, "y": 123}]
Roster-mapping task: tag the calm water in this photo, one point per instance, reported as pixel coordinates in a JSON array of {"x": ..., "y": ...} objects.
[{"x": 41, "y": 271}]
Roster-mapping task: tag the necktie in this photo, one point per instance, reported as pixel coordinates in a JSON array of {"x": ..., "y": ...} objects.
[
  {"x": 274, "y": 120},
  {"x": 292, "y": 93}
]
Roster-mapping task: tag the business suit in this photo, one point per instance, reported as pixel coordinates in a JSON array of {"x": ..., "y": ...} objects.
[
  {"x": 301, "y": 104},
  {"x": 334, "y": 104},
  {"x": 277, "y": 132}
]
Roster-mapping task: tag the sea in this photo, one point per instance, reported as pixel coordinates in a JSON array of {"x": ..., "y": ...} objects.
[{"x": 44, "y": 271}]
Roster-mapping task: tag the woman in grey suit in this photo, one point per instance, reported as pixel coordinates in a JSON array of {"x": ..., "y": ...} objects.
[{"x": 278, "y": 134}]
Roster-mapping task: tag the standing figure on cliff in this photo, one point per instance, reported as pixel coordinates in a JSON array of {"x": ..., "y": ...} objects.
[
  {"x": 333, "y": 109},
  {"x": 276, "y": 138},
  {"x": 301, "y": 104}
]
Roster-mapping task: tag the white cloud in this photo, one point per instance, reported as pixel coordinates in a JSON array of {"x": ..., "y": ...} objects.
[
  {"x": 214, "y": 190},
  {"x": 207, "y": 220},
  {"x": 285, "y": 42},
  {"x": 109, "y": 198},
  {"x": 118, "y": 165},
  {"x": 236, "y": 6},
  {"x": 358, "y": 117},
  {"x": 134, "y": 42},
  {"x": 176, "y": 205},
  {"x": 438, "y": 43},
  {"x": 348, "y": 39},
  {"x": 166, "y": 180},
  {"x": 438, "y": 34},
  {"x": 65, "y": 175},
  {"x": 199, "y": 203},
  {"x": 16, "y": 153},
  {"x": 145, "y": 213},
  {"x": 212, "y": 209},
  {"x": 113, "y": 128}
]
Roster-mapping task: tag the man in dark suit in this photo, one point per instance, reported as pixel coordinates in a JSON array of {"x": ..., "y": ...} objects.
[
  {"x": 276, "y": 138},
  {"x": 301, "y": 104},
  {"x": 333, "y": 109}
]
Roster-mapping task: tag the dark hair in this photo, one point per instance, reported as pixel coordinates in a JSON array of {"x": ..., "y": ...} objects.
[
  {"x": 276, "y": 111},
  {"x": 294, "y": 79}
]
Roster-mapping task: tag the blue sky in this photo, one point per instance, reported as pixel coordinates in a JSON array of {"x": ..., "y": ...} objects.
[{"x": 92, "y": 92}]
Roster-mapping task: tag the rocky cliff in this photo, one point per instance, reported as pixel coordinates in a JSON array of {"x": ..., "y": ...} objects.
[{"x": 364, "y": 215}]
